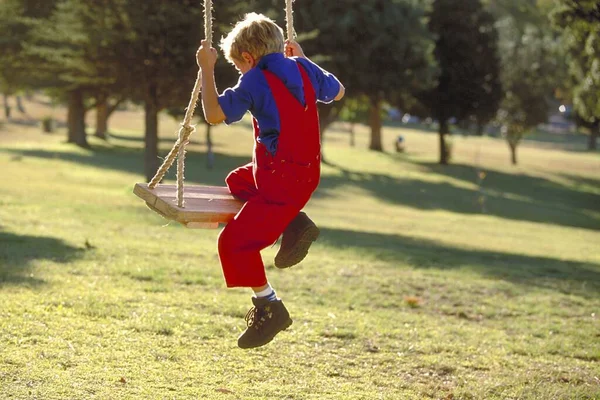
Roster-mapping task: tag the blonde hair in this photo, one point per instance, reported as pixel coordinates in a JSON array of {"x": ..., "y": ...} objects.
[{"x": 255, "y": 34}]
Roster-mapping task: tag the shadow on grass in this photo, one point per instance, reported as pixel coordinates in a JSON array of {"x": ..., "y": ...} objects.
[
  {"x": 17, "y": 252},
  {"x": 130, "y": 160},
  {"x": 563, "y": 141},
  {"x": 140, "y": 140},
  {"x": 543, "y": 272},
  {"x": 571, "y": 142},
  {"x": 584, "y": 183},
  {"x": 509, "y": 196},
  {"x": 545, "y": 200}
]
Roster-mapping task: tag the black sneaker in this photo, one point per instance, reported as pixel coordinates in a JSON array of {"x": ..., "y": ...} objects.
[
  {"x": 265, "y": 320},
  {"x": 297, "y": 239}
]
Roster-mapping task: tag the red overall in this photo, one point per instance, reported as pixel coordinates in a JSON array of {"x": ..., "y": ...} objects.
[{"x": 275, "y": 188}]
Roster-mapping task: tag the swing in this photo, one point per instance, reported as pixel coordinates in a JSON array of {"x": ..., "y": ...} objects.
[{"x": 201, "y": 206}]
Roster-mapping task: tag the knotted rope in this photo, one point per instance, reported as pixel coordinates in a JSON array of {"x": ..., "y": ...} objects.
[
  {"x": 289, "y": 19},
  {"x": 185, "y": 131},
  {"x": 178, "y": 150}
]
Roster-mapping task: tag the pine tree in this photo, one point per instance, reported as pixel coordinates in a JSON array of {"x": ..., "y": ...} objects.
[
  {"x": 532, "y": 70},
  {"x": 161, "y": 39},
  {"x": 580, "y": 24},
  {"x": 379, "y": 49},
  {"x": 18, "y": 18},
  {"x": 79, "y": 48},
  {"x": 466, "y": 51}
]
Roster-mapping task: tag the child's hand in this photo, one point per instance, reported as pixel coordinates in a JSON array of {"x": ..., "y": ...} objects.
[
  {"x": 206, "y": 56},
  {"x": 293, "y": 49}
]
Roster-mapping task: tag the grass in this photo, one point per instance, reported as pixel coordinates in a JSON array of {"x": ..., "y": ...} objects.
[{"x": 416, "y": 289}]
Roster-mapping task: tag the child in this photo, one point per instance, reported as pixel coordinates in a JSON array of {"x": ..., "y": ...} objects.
[{"x": 281, "y": 92}]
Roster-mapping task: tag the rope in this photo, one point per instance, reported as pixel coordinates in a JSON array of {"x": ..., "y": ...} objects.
[
  {"x": 186, "y": 129},
  {"x": 160, "y": 173},
  {"x": 289, "y": 19},
  {"x": 178, "y": 150},
  {"x": 208, "y": 21}
]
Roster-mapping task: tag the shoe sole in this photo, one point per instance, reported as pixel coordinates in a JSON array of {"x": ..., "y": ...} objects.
[
  {"x": 285, "y": 327},
  {"x": 300, "y": 251}
]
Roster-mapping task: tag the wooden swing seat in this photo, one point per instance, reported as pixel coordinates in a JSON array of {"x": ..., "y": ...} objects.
[{"x": 204, "y": 206}]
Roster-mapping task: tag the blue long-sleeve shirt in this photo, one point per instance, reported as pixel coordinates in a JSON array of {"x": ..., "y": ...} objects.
[{"x": 252, "y": 93}]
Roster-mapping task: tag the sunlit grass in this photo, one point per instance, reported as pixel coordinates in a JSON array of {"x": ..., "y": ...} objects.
[{"x": 415, "y": 289}]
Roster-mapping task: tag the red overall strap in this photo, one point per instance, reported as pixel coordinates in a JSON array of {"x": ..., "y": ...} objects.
[
  {"x": 299, "y": 138},
  {"x": 275, "y": 188}
]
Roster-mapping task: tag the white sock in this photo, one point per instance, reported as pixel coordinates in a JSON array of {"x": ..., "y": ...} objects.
[{"x": 268, "y": 293}]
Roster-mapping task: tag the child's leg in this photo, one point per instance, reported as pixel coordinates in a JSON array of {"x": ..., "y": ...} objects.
[
  {"x": 255, "y": 227},
  {"x": 265, "y": 320},
  {"x": 241, "y": 183},
  {"x": 297, "y": 239}
]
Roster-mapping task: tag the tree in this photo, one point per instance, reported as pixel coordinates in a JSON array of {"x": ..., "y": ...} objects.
[
  {"x": 10, "y": 21},
  {"x": 104, "y": 109},
  {"x": 466, "y": 51},
  {"x": 579, "y": 22},
  {"x": 593, "y": 127},
  {"x": 532, "y": 69},
  {"x": 378, "y": 49},
  {"x": 356, "y": 110},
  {"x": 132, "y": 49},
  {"x": 60, "y": 42},
  {"x": 158, "y": 41},
  {"x": 18, "y": 18},
  {"x": 225, "y": 74},
  {"x": 525, "y": 104},
  {"x": 79, "y": 46}
]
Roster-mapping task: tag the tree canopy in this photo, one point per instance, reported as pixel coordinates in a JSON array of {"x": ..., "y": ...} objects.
[
  {"x": 468, "y": 85},
  {"x": 579, "y": 22},
  {"x": 532, "y": 67},
  {"x": 379, "y": 49},
  {"x": 18, "y": 19},
  {"x": 452, "y": 60}
]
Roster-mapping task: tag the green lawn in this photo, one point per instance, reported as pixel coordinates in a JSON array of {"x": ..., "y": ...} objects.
[{"x": 422, "y": 285}]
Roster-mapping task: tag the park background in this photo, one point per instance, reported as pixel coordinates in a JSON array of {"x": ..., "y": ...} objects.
[{"x": 460, "y": 263}]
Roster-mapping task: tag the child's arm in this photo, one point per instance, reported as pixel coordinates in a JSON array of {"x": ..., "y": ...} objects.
[
  {"x": 206, "y": 58},
  {"x": 293, "y": 49},
  {"x": 341, "y": 93}
]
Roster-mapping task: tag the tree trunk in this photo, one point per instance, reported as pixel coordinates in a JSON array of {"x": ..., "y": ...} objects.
[
  {"x": 513, "y": 153},
  {"x": 210, "y": 155},
  {"x": 594, "y": 133},
  {"x": 6, "y": 107},
  {"x": 327, "y": 115},
  {"x": 443, "y": 131},
  {"x": 480, "y": 128},
  {"x": 151, "y": 132},
  {"x": 101, "y": 116},
  {"x": 48, "y": 125},
  {"x": 352, "y": 135},
  {"x": 375, "y": 124},
  {"x": 20, "y": 106},
  {"x": 76, "y": 119}
]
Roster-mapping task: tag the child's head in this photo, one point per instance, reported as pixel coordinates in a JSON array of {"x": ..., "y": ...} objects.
[{"x": 254, "y": 36}]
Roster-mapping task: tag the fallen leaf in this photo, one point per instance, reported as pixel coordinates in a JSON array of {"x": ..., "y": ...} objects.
[
  {"x": 412, "y": 301},
  {"x": 462, "y": 315},
  {"x": 223, "y": 390}
]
